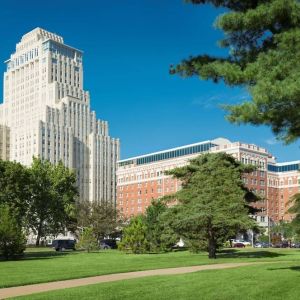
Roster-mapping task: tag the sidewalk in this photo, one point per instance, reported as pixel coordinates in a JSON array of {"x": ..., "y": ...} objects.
[{"x": 56, "y": 285}]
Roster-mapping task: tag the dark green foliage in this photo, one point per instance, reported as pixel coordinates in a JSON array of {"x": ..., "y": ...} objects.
[
  {"x": 159, "y": 235},
  {"x": 102, "y": 217},
  {"x": 263, "y": 38},
  {"x": 211, "y": 205},
  {"x": 285, "y": 229},
  {"x": 12, "y": 239},
  {"x": 53, "y": 195},
  {"x": 149, "y": 232},
  {"x": 87, "y": 240},
  {"x": 104, "y": 220},
  {"x": 295, "y": 209},
  {"x": 14, "y": 189},
  {"x": 135, "y": 236}
]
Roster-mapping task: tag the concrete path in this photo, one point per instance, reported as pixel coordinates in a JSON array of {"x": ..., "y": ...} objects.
[{"x": 56, "y": 285}]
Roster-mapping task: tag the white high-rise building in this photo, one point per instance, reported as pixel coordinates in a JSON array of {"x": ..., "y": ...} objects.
[{"x": 48, "y": 114}]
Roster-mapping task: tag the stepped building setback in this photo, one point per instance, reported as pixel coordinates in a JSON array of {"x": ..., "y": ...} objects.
[
  {"x": 47, "y": 114},
  {"x": 141, "y": 179}
]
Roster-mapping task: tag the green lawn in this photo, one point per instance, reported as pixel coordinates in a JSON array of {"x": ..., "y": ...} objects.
[
  {"x": 43, "y": 266},
  {"x": 269, "y": 281}
]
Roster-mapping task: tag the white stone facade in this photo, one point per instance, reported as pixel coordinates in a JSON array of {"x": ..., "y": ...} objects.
[
  {"x": 49, "y": 115},
  {"x": 4, "y": 142}
]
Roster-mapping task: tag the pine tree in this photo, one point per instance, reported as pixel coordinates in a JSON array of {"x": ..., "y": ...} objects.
[
  {"x": 12, "y": 239},
  {"x": 135, "y": 236},
  {"x": 263, "y": 39},
  {"x": 213, "y": 203}
]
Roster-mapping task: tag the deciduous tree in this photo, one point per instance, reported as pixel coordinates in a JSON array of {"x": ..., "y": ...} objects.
[
  {"x": 53, "y": 195},
  {"x": 12, "y": 238},
  {"x": 14, "y": 189},
  {"x": 104, "y": 220}
]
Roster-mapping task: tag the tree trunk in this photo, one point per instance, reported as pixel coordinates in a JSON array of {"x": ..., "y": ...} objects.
[
  {"x": 38, "y": 238},
  {"x": 37, "y": 243},
  {"x": 212, "y": 251},
  {"x": 212, "y": 245}
]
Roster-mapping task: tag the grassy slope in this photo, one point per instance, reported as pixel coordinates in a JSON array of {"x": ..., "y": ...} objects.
[
  {"x": 270, "y": 281},
  {"x": 50, "y": 266}
]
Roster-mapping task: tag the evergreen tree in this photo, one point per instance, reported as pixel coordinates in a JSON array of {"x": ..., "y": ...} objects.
[
  {"x": 12, "y": 239},
  {"x": 87, "y": 240},
  {"x": 263, "y": 39},
  {"x": 295, "y": 209},
  {"x": 213, "y": 204},
  {"x": 159, "y": 235},
  {"x": 135, "y": 236}
]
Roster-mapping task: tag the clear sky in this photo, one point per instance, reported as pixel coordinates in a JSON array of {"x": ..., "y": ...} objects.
[{"x": 128, "y": 47}]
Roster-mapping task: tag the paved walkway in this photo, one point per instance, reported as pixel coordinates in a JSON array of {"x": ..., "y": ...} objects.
[{"x": 56, "y": 285}]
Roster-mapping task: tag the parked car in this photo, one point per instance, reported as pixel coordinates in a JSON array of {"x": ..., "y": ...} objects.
[
  {"x": 64, "y": 244},
  {"x": 283, "y": 244},
  {"x": 233, "y": 242},
  {"x": 108, "y": 244},
  {"x": 296, "y": 245},
  {"x": 245, "y": 243},
  {"x": 262, "y": 245},
  {"x": 258, "y": 245},
  {"x": 239, "y": 245}
]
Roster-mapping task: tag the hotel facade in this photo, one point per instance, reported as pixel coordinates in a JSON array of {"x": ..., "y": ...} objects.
[
  {"x": 141, "y": 179},
  {"x": 46, "y": 113}
]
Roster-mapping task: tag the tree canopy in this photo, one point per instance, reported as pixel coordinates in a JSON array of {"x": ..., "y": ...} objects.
[
  {"x": 12, "y": 238},
  {"x": 160, "y": 237},
  {"x": 53, "y": 194},
  {"x": 263, "y": 42},
  {"x": 213, "y": 202},
  {"x": 135, "y": 236},
  {"x": 295, "y": 209},
  {"x": 14, "y": 189}
]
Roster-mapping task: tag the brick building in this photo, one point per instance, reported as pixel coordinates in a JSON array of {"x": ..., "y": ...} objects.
[{"x": 141, "y": 179}]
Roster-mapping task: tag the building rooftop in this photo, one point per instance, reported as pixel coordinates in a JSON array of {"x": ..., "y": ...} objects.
[{"x": 174, "y": 152}]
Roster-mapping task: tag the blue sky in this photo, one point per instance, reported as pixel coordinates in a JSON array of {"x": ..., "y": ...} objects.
[{"x": 128, "y": 47}]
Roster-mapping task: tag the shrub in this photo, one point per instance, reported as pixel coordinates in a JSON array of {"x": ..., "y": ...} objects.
[
  {"x": 134, "y": 237},
  {"x": 87, "y": 240},
  {"x": 12, "y": 239}
]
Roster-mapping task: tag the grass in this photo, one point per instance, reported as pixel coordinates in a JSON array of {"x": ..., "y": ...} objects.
[
  {"x": 268, "y": 281},
  {"x": 47, "y": 265}
]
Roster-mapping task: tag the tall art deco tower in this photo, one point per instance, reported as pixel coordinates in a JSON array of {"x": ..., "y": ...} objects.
[{"x": 47, "y": 113}]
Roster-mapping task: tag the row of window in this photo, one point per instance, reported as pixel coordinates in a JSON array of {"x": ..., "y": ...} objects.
[
  {"x": 287, "y": 168},
  {"x": 254, "y": 162},
  {"x": 62, "y": 50},
  {"x": 151, "y": 191},
  {"x": 253, "y": 181},
  {"x": 169, "y": 154},
  {"x": 23, "y": 58}
]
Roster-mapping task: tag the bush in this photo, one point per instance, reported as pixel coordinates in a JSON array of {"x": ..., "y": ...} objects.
[
  {"x": 87, "y": 240},
  {"x": 12, "y": 239},
  {"x": 134, "y": 237}
]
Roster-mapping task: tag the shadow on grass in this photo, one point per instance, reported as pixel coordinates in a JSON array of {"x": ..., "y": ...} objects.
[
  {"x": 233, "y": 253},
  {"x": 43, "y": 253},
  {"x": 293, "y": 268},
  {"x": 35, "y": 255}
]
